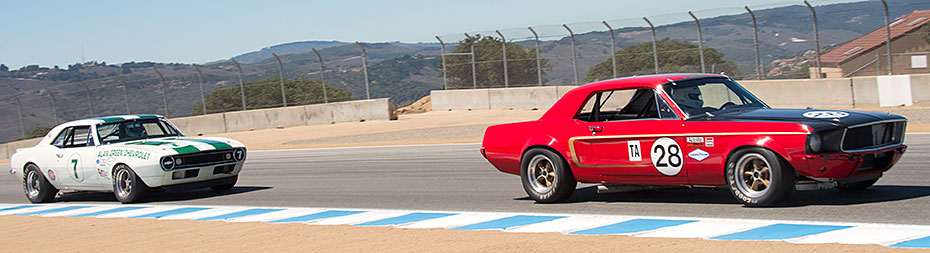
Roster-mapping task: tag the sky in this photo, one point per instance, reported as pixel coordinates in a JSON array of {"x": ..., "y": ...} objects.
[{"x": 51, "y": 33}]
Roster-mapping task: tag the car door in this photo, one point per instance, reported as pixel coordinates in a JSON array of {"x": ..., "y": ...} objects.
[
  {"x": 631, "y": 137},
  {"x": 77, "y": 157}
]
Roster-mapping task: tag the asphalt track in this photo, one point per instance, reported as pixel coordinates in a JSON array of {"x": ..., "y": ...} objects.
[{"x": 457, "y": 178}]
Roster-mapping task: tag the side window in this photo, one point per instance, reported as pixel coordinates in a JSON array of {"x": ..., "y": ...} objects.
[
  {"x": 622, "y": 105},
  {"x": 78, "y": 137},
  {"x": 60, "y": 140}
]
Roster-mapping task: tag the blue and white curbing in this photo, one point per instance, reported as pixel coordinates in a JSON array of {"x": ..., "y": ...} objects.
[{"x": 904, "y": 236}]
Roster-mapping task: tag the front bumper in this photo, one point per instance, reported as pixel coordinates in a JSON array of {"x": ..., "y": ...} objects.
[
  {"x": 851, "y": 164},
  {"x": 166, "y": 179}
]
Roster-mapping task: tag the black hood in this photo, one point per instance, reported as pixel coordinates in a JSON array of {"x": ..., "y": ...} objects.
[{"x": 817, "y": 119}]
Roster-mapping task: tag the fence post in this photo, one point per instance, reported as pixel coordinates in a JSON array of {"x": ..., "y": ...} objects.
[
  {"x": 203, "y": 99},
  {"x": 442, "y": 57},
  {"x": 504, "y": 48},
  {"x": 700, "y": 41},
  {"x": 281, "y": 76},
  {"x": 816, "y": 39},
  {"x": 613, "y": 49},
  {"x": 241, "y": 85},
  {"x": 22, "y": 123},
  {"x": 365, "y": 70},
  {"x": 54, "y": 108},
  {"x": 888, "y": 39},
  {"x": 322, "y": 80},
  {"x": 125, "y": 93},
  {"x": 538, "y": 58},
  {"x": 164, "y": 90},
  {"x": 574, "y": 54},
  {"x": 90, "y": 103},
  {"x": 655, "y": 51},
  {"x": 474, "y": 77},
  {"x": 755, "y": 43}
]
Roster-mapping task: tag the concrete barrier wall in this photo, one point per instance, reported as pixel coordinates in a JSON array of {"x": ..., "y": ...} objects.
[
  {"x": 821, "y": 93},
  {"x": 350, "y": 111},
  {"x": 200, "y": 125},
  {"x": 857, "y": 92},
  {"x": 920, "y": 89}
]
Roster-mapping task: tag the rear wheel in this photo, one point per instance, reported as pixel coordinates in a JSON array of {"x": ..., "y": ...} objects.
[
  {"x": 127, "y": 186},
  {"x": 546, "y": 177},
  {"x": 861, "y": 185},
  {"x": 36, "y": 187},
  {"x": 758, "y": 177}
]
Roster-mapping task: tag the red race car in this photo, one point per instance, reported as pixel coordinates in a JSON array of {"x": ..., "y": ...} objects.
[{"x": 692, "y": 130}]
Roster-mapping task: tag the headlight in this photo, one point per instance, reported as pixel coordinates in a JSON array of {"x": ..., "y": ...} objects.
[
  {"x": 239, "y": 154},
  {"x": 167, "y": 163},
  {"x": 814, "y": 143}
]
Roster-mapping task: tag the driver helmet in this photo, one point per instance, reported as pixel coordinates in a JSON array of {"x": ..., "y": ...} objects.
[
  {"x": 135, "y": 130},
  {"x": 689, "y": 98}
]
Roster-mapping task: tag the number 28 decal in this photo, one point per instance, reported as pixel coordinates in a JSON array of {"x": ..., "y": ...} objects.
[{"x": 666, "y": 156}]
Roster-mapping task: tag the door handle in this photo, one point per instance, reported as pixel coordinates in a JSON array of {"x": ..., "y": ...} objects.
[{"x": 596, "y": 129}]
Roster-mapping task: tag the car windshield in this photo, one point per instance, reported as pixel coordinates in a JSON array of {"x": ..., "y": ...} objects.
[
  {"x": 136, "y": 129},
  {"x": 703, "y": 97}
]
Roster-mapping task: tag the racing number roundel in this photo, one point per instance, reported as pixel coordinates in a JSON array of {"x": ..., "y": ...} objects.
[{"x": 667, "y": 156}]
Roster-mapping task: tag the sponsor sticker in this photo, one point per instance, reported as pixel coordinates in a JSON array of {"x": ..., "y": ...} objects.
[
  {"x": 699, "y": 155},
  {"x": 634, "y": 150},
  {"x": 825, "y": 114},
  {"x": 51, "y": 175},
  {"x": 709, "y": 142},
  {"x": 124, "y": 153},
  {"x": 695, "y": 141},
  {"x": 103, "y": 174}
]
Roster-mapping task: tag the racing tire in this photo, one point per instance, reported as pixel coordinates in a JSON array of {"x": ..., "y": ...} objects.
[
  {"x": 758, "y": 177},
  {"x": 861, "y": 185},
  {"x": 546, "y": 177},
  {"x": 127, "y": 186},
  {"x": 36, "y": 187},
  {"x": 225, "y": 187}
]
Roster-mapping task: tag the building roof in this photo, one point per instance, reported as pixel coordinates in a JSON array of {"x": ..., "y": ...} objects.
[{"x": 876, "y": 38}]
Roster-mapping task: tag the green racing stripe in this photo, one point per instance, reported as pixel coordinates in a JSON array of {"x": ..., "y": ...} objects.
[
  {"x": 215, "y": 144},
  {"x": 186, "y": 149}
]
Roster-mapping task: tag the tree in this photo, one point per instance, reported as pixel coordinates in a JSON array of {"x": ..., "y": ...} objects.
[
  {"x": 4, "y": 68},
  {"x": 38, "y": 131},
  {"x": 674, "y": 57},
  {"x": 489, "y": 67},
  {"x": 267, "y": 93}
]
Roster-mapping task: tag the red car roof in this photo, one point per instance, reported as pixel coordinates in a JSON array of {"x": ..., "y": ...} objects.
[{"x": 567, "y": 106}]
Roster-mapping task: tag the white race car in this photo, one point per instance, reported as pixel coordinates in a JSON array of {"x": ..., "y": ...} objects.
[{"x": 128, "y": 155}]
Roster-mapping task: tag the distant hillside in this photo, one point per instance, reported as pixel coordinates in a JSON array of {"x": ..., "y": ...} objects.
[
  {"x": 407, "y": 71},
  {"x": 302, "y": 47}
]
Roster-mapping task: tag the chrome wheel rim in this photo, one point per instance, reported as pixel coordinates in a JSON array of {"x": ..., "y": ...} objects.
[
  {"x": 123, "y": 182},
  {"x": 541, "y": 174},
  {"x": 32, "y": 184},
  {"x": 754, "y": 175}
]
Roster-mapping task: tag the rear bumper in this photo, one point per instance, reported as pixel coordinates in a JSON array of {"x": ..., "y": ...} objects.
[{"x": 851, "y": 165}]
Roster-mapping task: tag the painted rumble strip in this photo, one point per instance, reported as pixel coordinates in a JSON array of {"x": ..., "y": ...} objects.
[{"x": 899, "y": 236}]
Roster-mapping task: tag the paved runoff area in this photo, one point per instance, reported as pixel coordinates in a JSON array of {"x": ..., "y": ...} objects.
[{"x": 898, "y": 236}]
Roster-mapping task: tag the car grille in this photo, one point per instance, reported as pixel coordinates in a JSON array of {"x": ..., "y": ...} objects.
[
  {"x": 205, "y": 158},
  {"x": 873, "y": 136}
]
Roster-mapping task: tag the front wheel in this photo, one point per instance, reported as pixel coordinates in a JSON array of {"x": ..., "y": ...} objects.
[
  {"x": 36, "y": 187},
  {"x": 758, "y": 177},
  {"x": 127, "y": 186},
  {"x": 546, "y": 177}
]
